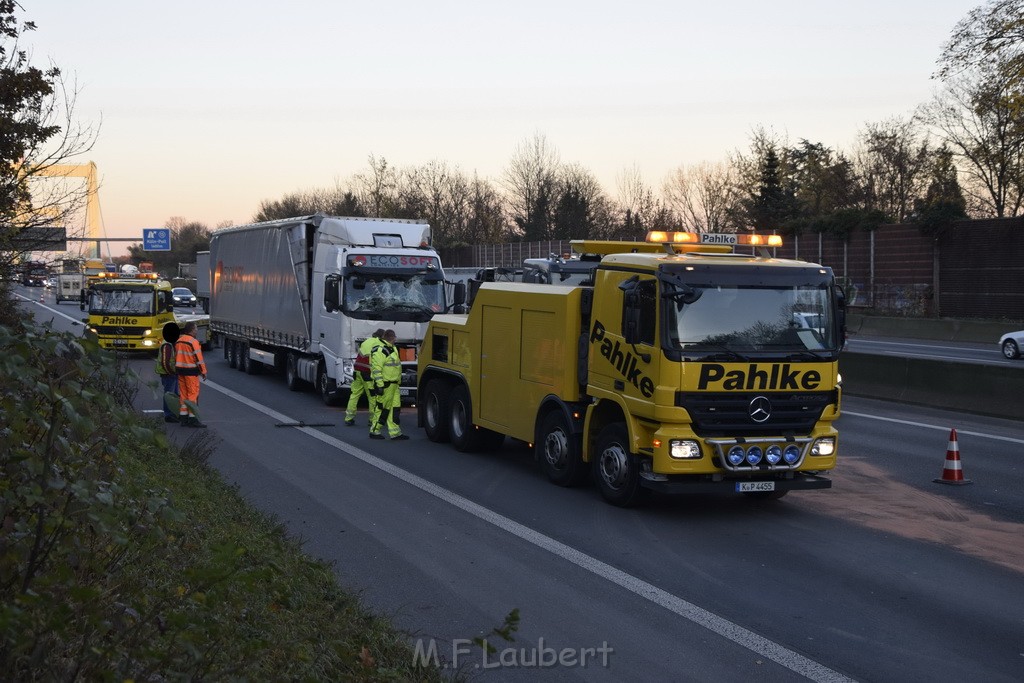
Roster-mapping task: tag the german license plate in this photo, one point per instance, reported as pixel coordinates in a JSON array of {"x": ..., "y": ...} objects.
[
  {"x": 120, "y": 342},
  {"x": 752, "y": 486},
  {"x": 404, "y": 391}
]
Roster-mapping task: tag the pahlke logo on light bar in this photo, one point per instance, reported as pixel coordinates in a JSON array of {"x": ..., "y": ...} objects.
[{"x": 758, "y": 377}]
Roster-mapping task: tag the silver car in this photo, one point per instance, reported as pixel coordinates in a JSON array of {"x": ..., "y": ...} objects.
[
  {"x": 183, "y": 296},
  {"x": 1011, "y": 343}
]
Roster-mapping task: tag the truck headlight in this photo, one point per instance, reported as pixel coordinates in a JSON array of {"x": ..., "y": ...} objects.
[
  {"x": 347, "y": 366},
  {"x": 824, "y": 447},
  {"x": 684, "y": 449},
  {"x": 147, "y": 333}
]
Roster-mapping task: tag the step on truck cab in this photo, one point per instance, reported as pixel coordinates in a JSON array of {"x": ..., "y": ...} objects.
[{"x": 685, "y": 367}]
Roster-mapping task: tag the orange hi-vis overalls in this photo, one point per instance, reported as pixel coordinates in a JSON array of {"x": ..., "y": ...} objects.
[{"x": 189, "y": 366}]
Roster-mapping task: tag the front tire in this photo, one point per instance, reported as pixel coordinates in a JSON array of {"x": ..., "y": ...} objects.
[
  {"x": 558, "y": 450},
  {"x": 1010, "y": 349},
  {"x": 436, "y": 417},
  {"x": 616, "y": 469},
  {"x": 326, "y": 387}
]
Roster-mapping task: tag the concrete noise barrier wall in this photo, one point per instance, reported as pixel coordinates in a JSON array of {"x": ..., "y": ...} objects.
[{"x": 970, "y": 387}]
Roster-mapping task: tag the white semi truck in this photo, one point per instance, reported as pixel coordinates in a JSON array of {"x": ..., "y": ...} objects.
[{"x": 299, "y": 295}]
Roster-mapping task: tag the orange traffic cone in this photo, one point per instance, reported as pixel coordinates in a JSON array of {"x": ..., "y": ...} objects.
[{"x": 952, "y": 472}]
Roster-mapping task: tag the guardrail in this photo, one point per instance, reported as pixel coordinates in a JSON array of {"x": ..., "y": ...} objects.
[
  {"x": 970, "y": 387},
  {"x": 941, "y": 329}
]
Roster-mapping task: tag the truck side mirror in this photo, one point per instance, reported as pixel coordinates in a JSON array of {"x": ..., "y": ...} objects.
[
  {"x": 841, "y": 315},
  {"x": 459, "y": 294}
]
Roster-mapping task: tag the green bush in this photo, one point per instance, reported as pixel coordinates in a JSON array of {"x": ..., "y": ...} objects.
[{"x": 124, "y": 557}]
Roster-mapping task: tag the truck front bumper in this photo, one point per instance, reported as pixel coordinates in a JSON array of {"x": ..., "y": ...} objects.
[{"x": 677, "y": 484}]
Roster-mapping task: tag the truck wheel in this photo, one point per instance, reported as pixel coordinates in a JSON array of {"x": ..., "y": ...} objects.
[
  {"x": 558, "y": 450},
  {"x": 465, "y": 437},
  {"x": 231, "y": 351},
  {"x": 616, "y": 470},
  {"x": 252, "y": 367},
  {"x": 435, "y": 411},
  {"x": 325, "y": 386},
  {"x": 242, "y": 351},
  {"x": 291, "y": 373}
]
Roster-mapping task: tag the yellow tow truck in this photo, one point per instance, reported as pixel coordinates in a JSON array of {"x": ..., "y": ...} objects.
[
  {"x": 127, "y": 310},
  {"x": 684, "y": 367}
]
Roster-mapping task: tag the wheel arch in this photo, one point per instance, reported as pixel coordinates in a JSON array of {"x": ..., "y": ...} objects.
[
  {"x": 601, "y": 414},
  {"x": 574, "y": 414}
]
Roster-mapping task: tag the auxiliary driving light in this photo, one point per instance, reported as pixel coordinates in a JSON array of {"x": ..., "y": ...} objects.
[
  {"x": 824, "y": 447},
  {"x": 791, "y": 454},
  {"x": 735, "y": 455},
  {"x": 684, "y": 449},
  {"x": 754, "y": 454},
  {"x": 773, "y": 454}
]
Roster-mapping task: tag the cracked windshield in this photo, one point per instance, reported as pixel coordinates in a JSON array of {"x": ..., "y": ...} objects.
[
  {"x": 387, "y": 295},
  {"x": 741, "y": 319},
  {"x": 120, "y": 301}
]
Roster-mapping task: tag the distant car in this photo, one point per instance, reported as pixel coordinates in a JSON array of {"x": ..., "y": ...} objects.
[
  {"x": 183, "y": 296},
  {"x": 50, "y": 283},
  {"x": 1011, "y": 343}
]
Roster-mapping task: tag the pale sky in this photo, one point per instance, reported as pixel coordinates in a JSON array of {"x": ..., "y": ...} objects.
[{"x": 210, "y": 107}]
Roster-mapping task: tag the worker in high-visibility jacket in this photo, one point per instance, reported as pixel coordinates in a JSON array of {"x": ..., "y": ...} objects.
[
  {"x": 189, "y": 366},
  {"x": 386, "y": 374},
  {"x": 361, "y": 381}
]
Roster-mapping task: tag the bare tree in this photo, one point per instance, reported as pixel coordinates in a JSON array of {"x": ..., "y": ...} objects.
[
  {"x": 377, "y": 189},
  {"x": 893, "y": 159},
  {"x": 704, "y": 196},
  {"x": 529, "y": 182},
  {"x": 989, "y": 37},
  {"x": 978, "y": 117},
  {"x": 39, "y": 136}
]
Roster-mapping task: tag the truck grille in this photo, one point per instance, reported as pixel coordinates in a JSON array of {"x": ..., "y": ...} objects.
[
  {"x": 120, "y": 331},
  {"x": 728, "y": 414}
]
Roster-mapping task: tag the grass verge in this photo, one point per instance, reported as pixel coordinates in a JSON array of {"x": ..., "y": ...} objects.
[{"x": 123, "y": 557}]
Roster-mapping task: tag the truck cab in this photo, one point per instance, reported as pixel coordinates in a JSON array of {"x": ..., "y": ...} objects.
[{"x": 127, "y": 312}]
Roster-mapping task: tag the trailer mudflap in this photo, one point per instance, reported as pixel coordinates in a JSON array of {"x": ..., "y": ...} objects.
[{"x": 681, "y": 485}]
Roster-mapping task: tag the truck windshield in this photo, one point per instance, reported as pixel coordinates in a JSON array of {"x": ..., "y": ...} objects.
[
  {"x": 393, "y": 296},
  {"x": 739, "y": 319},
  {"x": 121, "y": 301}
]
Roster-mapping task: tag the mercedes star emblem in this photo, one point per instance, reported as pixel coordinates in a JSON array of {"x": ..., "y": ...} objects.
[{"x": 760, "y": 409}]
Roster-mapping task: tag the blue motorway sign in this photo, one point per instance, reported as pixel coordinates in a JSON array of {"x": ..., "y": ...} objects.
[{"x": 156, "y": 239}]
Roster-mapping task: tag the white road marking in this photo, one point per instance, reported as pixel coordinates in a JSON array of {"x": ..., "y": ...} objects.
[
  {"x": 924, "y": 425},
  {"x": 734, "y": 632}
]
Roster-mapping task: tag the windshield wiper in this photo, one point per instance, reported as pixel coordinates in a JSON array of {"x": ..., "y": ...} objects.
[
  {"x": 725, "y": 353},
  {"x": 806, "y": 355}
]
